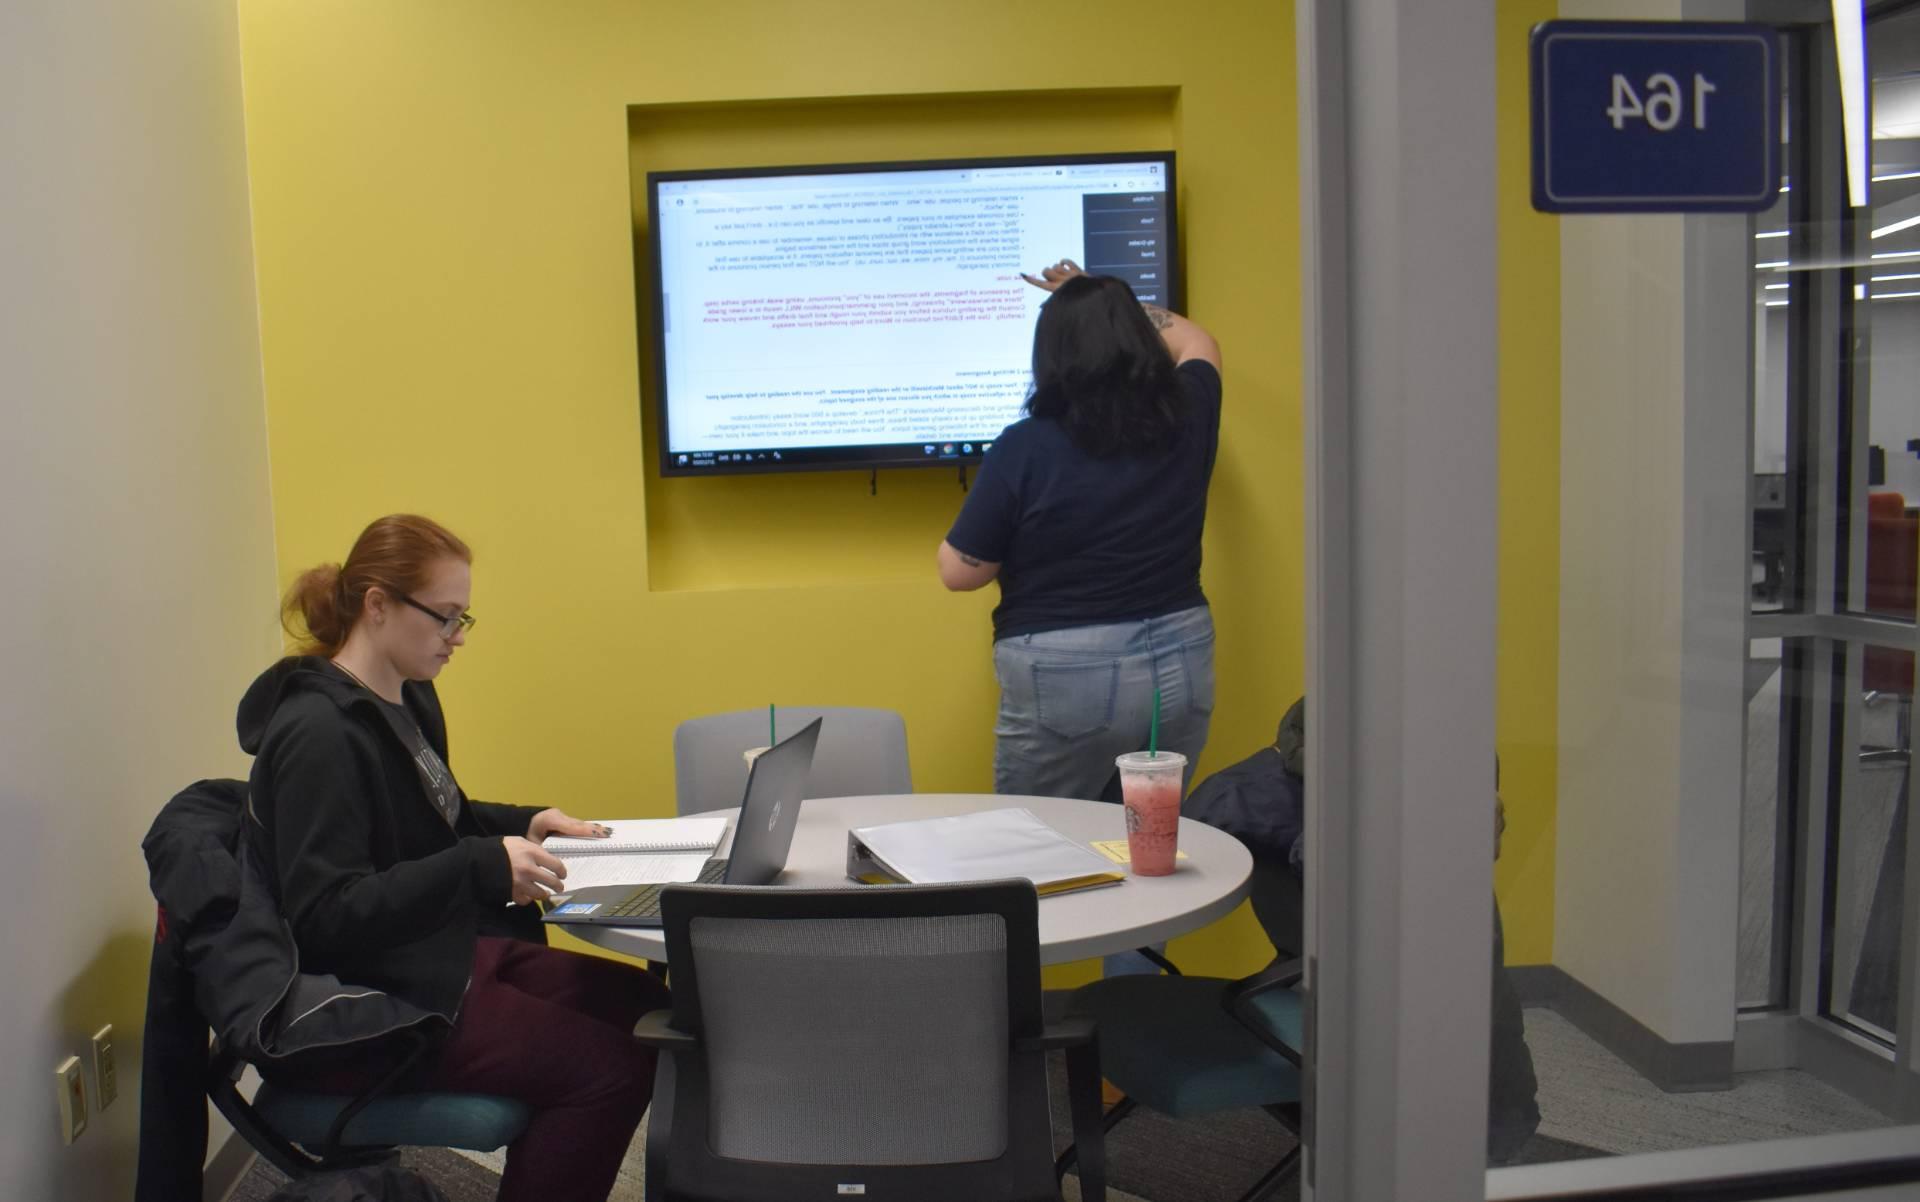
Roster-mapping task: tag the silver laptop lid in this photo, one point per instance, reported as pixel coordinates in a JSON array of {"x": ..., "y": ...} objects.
[{"x": 775, "y": 784}]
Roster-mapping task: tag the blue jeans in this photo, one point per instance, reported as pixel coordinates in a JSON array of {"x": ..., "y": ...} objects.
[{"x": 1073, "y": 700}]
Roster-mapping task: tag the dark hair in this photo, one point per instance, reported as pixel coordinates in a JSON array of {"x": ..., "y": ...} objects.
[
  {"x": 395, "y": 553},
  {"x": 1101, "y": 370}
]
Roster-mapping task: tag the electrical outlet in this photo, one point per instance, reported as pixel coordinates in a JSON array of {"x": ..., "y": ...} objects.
[
  {"x": 105, "y": 1089},
  {"x": 71, "y": 1086}
]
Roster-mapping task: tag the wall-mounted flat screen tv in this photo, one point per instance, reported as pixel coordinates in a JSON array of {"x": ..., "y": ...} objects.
[{"x": 872, "y": 315}]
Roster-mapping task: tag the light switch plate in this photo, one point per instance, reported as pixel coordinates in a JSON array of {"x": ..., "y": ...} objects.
[
  {"x": 70, "y": 1084},
  {"x": 105, "y": 1087}
]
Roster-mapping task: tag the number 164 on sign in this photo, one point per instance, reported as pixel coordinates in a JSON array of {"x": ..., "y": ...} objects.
[{"x": 1664, "y": 104}]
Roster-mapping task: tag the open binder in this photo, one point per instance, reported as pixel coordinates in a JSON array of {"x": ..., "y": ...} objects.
[{"x": 988, "y": 845}]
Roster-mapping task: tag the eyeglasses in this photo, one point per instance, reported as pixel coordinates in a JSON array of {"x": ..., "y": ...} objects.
[{"x": 448, "y": 625}]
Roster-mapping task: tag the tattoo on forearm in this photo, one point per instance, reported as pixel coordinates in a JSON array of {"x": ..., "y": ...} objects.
[
  {"x": 1160, "y": 318},
  {"x": 969, "y": 560}
]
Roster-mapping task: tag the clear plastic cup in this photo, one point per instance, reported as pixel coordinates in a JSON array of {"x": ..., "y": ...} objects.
[
  {"x": 753, "y": 753},
  {"x": 1150, "y": 787}
]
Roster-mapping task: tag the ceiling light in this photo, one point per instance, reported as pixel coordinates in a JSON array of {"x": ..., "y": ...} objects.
[
  {"x": 1849, "y": 47},
  {"x": 1896, "y": 227}
]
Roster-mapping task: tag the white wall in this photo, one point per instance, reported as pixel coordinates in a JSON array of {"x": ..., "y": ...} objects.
[
  {"x": 1652, "y": 608},
  {"x": 1893, "y": 397},
  {"x": 1770, "y": 390},
  {"x": 1656, "y": 354},
  {"x": 139, "y": 584}
]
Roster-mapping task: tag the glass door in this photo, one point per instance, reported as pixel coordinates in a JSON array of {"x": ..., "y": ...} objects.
[{"x": 1611, "y": 548}]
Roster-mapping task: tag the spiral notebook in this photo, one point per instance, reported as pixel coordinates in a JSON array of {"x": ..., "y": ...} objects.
[{"x": 641, "y": 851}]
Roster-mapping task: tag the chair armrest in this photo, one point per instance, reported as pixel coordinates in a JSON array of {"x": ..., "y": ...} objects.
[
  {"x": 1281, "y": 974},
  {"x": 1070, "y": 1032},
  {"x": 223, "y": 1073},
  {"x": 223, "y": 1065},
  {"x": 655, "y": 1030},
  {"x": 1237, "y": 1000},
  {"x": 1159, "y": 961},
  {"x": 1079, "y": 1037}
]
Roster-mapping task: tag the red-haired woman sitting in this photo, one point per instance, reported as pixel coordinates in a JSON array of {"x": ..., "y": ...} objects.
[{"x": 392, "y": 878}]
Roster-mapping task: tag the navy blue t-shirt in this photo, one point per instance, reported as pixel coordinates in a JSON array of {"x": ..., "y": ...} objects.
[{"x": 1083, "y": 541}]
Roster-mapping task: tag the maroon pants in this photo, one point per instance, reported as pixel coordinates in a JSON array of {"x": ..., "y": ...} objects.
[{"x": 552, "y": 1029}]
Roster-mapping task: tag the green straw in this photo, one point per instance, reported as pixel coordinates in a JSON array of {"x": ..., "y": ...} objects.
[
  {"x": 770, "y": 739},
  {"x": 1153, "y": 731}
]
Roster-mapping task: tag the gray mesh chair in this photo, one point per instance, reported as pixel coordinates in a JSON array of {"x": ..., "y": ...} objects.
[
  {"x": 882, "y": 1042},
  {"x": 861, "y": 752}
]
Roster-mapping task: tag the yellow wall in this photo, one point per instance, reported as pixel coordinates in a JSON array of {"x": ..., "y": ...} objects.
[
  {"x": 1529, "y": 626},
  {"x": 448, "y": 313},
  {"x": 441, "y": 206}
]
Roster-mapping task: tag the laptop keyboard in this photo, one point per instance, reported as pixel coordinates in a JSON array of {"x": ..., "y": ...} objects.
[{"x": 645, "y": 901}]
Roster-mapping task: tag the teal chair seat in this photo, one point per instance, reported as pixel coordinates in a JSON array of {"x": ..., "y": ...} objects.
[
  {"x": 1169, "y": 1045},
  {"x": 1188, "y": 1046},
  {"x": 477, "y": 1122}
]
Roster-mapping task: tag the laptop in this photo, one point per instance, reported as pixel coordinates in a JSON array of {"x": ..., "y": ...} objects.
[{"x": 761, "y": 839}]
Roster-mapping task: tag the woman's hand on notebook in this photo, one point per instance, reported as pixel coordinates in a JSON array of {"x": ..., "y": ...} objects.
[{"x": 552, "y": 821}]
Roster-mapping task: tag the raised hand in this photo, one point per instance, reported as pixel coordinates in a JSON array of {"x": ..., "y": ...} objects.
[{"x": 1054, "y": 276}]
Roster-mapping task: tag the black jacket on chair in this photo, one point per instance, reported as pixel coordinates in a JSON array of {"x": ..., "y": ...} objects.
[
  {"x": 190, "y": 858},
  {"x": 224, "y": 963}
]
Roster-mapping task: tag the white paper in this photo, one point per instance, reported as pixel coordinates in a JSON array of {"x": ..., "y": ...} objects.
[{"x": 586, "y": 871}]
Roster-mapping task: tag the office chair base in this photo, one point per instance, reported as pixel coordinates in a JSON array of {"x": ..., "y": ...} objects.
[{"x": 1066, "y": 1160}]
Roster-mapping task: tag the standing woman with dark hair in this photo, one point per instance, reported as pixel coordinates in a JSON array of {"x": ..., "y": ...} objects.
[
  {"x": 392, "y": 878},
  {"x": 1089, "y": 512}
]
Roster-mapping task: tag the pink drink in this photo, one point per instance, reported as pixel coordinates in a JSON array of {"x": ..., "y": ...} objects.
[{"x": 1150, "y": 785}]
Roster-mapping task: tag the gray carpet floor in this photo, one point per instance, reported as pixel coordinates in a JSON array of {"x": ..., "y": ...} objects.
[
  {"x": 1591, "y": 1104},
  {"x": 1589, "y": 1096}
]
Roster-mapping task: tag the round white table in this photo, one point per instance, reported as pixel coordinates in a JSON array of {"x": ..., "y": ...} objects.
[{"x": 1205, "y": 886}]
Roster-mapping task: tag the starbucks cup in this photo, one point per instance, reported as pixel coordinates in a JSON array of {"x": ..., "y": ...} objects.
[
  {"x": 751, "y": 754},
  {"x": 1150, "y": 787}
]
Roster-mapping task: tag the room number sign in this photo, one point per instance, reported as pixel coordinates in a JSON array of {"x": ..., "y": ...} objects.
[{"x": 1655, "y": 117}]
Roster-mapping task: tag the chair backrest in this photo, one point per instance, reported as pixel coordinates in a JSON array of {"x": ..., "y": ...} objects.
[
  {"x": 861, "y": 752},
  {"x": 1893, "y": 569},
  {"x": 1277, "y": 894},
  {"x": 857, "y": 1037}
]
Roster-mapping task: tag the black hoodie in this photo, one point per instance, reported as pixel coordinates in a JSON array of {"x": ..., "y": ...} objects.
[{"x": 379, "y": 890}]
